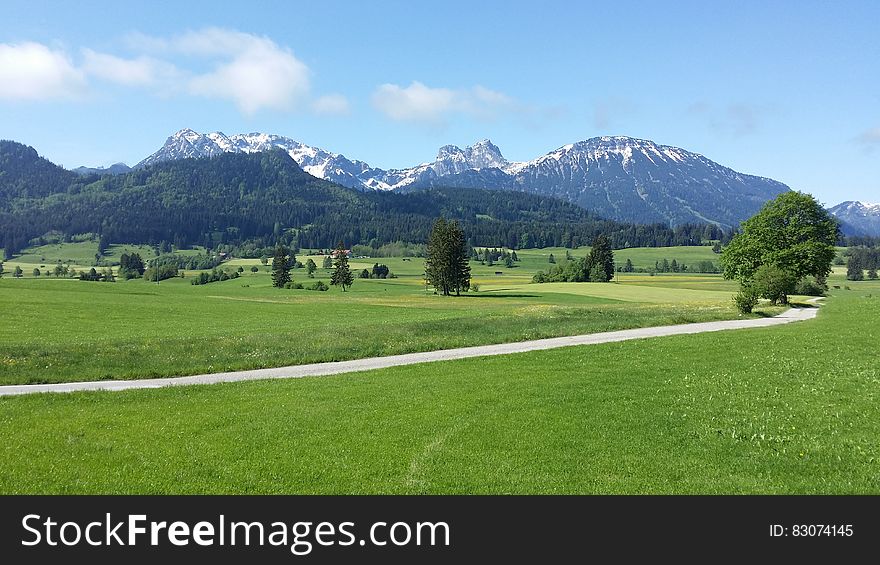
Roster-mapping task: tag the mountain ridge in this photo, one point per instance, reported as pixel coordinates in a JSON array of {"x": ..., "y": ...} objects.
[
  {"x": 858, "y": 218},
  {"x": 619, "y": 177}
]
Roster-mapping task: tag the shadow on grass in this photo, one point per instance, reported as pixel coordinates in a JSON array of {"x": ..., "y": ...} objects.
[{"x": 496, "y": 295}]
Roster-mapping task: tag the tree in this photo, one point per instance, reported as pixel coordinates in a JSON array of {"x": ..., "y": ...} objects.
[
  {"x": 872, "y": 274},
  {"x": 17, "y": 273},
  {"x": 255, "y": 269},
  {"x": 508, "y": 262},
  {"x": 36, "y": 272},
  {"x": 311, "y": 267},
  {"x": 281, "y": 263},
  {"x": 792, "y": 232},
  {"x": 1, "y": 270},
  {"x": 131, "y": 266},
  {"x": 446, "y": 265},
  {"x": 716, "y": 248},
  {"x": 551, "y": 259},
  {"x": 602, "y": 258},
  {"x": 628, "y": 266},
  {"x": 854, "y": 269},
  {"x": 365, "y": 274},
  {"x": 342, "y": 275},
  {"x": 328, "y": 262},
  {"x": 774, "y": 283}
]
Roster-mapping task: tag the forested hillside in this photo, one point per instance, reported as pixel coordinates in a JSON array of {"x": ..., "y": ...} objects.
[{"x": 266, "y": 197}]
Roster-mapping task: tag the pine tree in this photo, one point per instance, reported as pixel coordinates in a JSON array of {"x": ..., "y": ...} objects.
[
  {"x": 281, "y": 264},
  {"x": 854, "y": 269},
  {"x": 437, "y": 266},
  {"x": 342, "y": 275},
  {"x": 446, "y": 266},
  {"x": 601, "y": 257},
  {"x": 311, "y": 267}
]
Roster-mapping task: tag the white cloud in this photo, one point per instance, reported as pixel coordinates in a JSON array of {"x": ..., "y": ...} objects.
[
  {"x": 420, "y": 103},
  {"x": 332, "y": 105},
  {"x": 142, "y": 71},
  {"x": 416, "y": 102},
  {"x": 32, "y": 71},
  {"x": 252, "y": 71}
]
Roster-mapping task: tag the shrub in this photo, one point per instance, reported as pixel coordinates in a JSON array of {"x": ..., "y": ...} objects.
[
  {"x": 774, "y": 283},
  {"x": 809, "y": 287},
  {"x": 475, "y": 287},
  {"x": 746, "y": 299},
  {"x": 318, "y": 285}
]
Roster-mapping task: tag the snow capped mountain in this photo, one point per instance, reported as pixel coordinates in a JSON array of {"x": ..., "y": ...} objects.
[
  {"x": 617, "y": 177},
  {"x": 187, "y": 143},
  {"x": 858, "y": 218},
  {"x": 634, "y": 180}
]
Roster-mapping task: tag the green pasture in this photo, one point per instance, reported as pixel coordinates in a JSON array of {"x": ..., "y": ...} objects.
[{"x": 780, "y": 410}]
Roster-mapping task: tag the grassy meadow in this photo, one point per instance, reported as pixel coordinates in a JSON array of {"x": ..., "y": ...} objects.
[
  {"x": 60, "y": 330},
  {"x": 790, "y": 409}
]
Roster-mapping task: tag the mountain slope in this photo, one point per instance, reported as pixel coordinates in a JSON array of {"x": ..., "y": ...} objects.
[
  {"x": 238, "y": 197},
  {"x": 858, "y": 218},
  {"x": 24, "y": 174},
  {"x": 622, "y": 178},
  {"x": 635, "y": 180}
]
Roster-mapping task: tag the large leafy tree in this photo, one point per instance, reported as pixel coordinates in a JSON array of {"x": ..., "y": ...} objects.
[
  {"x": 342, "y": 275},
  {"x": 793, "y": 232}
]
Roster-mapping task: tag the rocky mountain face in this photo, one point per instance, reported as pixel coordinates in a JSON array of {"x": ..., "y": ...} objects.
[
  {"x": 622, "y": 178},
  {"x": 858, "y": 218}
]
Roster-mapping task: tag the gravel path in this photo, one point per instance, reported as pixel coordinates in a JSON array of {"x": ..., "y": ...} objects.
[{"x": 320, "y": 369}]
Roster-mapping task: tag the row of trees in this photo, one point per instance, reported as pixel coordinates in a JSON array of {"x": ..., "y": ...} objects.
[
  {"x": 598, "y": 266},
  {"x": 283, "y": 260}
]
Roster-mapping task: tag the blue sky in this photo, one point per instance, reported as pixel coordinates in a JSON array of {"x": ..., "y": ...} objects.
[{"x": 787, "y": 90}]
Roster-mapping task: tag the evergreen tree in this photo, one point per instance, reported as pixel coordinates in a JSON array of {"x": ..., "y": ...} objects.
[
  {"x": 872, "y": 274},
  {"x": 446, "y": 266},
  {"x": 601, "y": 256},
  {"x": 342, "y": 275},
  {"x": 328, "y": 262},
  {"x": 551, "y": 259},
  {"x": 36, "y": 272},
  {"x": 628, "y": 267},
  {"x": 17, "y": 272},
  {"x": 311, "y": 267},
  {"x": 281, "y": 264},
  {"x": 854, "y": 269}
]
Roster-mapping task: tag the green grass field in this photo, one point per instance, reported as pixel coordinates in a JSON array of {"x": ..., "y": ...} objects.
[
  {"x": 67, "y": 330},
  {"x": 790, "y": 409}
]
